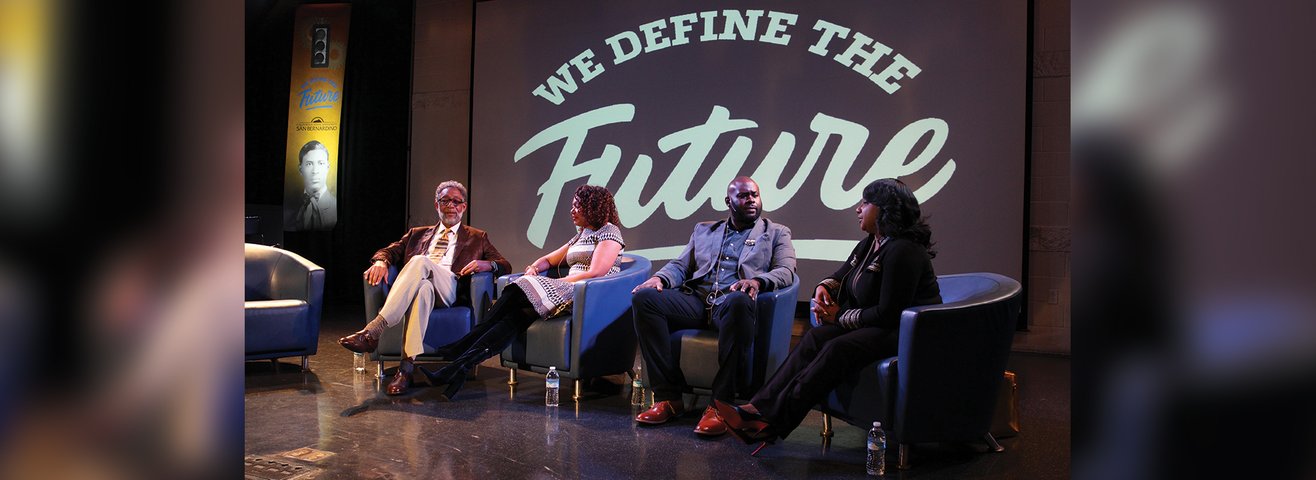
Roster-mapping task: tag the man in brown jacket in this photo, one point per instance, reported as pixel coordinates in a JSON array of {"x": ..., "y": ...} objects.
[{"x": 430, "y": 256}]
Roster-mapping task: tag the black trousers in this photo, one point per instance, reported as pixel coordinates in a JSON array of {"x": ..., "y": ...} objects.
[
  {"x": 658, "y": 314},
  {"x": 825, "y": 357}
]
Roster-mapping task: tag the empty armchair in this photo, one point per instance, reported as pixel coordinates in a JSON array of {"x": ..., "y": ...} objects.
[
  {"x": 943, "y": 384},
  {"x": 284, "y": 294},
  {"x": 474, "y": 297},
  {"x": 595, "y": 338},
  {"x": 697, "y": 349}
]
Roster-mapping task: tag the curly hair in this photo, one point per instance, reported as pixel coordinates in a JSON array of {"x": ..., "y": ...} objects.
[
  {"x": 597, "y": 206},
  {"x": 899, "y": 213}
]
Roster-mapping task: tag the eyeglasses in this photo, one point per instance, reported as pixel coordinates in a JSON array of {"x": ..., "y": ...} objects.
[{"x": 448, "y": 202}]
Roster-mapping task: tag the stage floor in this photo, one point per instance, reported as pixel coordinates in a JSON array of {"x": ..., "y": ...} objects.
[{"x": 333, "y": 423}]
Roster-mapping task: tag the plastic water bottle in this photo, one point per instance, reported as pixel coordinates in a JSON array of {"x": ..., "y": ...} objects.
[
  {"x": 359, "y": 362},
  {"x": 637, "y": 389},
  {"x": 550, "y": 387},
  {"x": 637, "y": 393},
  {"x": 876, "y": 464}
]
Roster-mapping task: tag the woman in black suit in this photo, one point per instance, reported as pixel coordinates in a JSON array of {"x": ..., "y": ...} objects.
[{"x": 859, "y": 307}]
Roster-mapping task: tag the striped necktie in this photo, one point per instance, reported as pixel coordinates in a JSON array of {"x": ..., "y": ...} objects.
[{"x": 440, "y": 246}]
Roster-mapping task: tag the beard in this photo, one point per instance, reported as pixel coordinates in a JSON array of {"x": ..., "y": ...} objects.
[{"x": 738, "y": 214}]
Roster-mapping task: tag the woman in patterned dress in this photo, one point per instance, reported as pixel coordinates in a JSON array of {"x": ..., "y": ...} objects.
[{"x": 595, "y": 251}]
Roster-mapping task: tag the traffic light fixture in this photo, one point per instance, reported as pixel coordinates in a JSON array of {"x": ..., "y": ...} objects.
[{"x": 320, "y": 46}]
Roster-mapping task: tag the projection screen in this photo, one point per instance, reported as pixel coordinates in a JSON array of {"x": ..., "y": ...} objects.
[{"x": 665, "y": 102}]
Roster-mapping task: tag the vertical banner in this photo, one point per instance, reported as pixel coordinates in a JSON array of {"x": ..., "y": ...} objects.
[{"x": 319, "y": 53}]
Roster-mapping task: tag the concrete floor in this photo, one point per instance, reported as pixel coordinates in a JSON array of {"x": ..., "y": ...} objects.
[{"x": 332, "y": 422}]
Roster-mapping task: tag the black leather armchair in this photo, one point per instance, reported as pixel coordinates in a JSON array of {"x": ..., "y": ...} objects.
[
  {"x": 446, "y": 324},
  {"x": 283, "y": 297},
  {"x": 596, "y": 338},
  {"x": 943, "y": 384},
  {"x": 696, "y": 350}
]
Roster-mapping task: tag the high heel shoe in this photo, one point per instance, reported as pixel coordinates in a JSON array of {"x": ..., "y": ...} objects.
[
  {"x": 451, "y": 375},
  {"x": 748, "y": 427},
  {"x": 738, "y": 418},
  {"x": 454, "y": 386},
  {"x": 454, "y": 374},
  {"x": 443, "y": 376}
]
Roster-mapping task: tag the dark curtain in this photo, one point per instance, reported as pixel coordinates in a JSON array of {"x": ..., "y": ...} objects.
[{"x": 373, "y": 152}]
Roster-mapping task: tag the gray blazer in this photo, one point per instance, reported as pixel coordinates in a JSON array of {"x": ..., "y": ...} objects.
[{"x": 768, "y": 255}]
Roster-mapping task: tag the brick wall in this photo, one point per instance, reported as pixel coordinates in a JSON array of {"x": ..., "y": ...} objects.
[
  {"x": 1049, "y": 222},
  {"x": 440, "y": 104}
]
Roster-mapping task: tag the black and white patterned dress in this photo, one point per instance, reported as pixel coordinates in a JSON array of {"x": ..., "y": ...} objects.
[{"x": 551, "y": 296}]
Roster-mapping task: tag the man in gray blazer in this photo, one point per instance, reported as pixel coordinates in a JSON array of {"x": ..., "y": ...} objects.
[{"x": 712, "y": 284}]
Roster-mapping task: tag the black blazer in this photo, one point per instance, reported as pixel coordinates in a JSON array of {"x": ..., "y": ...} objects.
[{"x": 898, "y": 276}]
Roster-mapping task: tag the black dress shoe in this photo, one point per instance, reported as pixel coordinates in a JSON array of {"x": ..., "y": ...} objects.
[
  {"x": 402, "y": 380},
  {"x": 360, "y": 342},
  {"x": 400, "y": 384}
]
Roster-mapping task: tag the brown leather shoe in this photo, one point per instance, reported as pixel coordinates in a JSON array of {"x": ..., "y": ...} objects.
[
  {"x": 400, "y": 384},
  {"x": 661, "y": 412},
  {"x": 402, "y": 380},
  {"x": 360, "y": 342},
  {"x": 710, "y": 425}
]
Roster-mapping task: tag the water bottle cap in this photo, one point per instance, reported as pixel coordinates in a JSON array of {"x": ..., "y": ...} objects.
[
  {"x": 552, "y": 368},
  {"x": 877, "y": 424}
]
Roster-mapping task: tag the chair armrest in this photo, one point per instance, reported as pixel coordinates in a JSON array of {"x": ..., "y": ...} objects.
[
  {"x": 970, "y": 330},
  {"x": 961, "y": 329},
  {"x": 291, "y": 278},
  {"x": 779, "y": 305},
  {"x": 295, "y": 277},
  {"x": 599, "y": 303},
  {"x": 770, "y": 299},
  {"x": 376, "y": 294},
  {"x": 482, "y": 295},
  {"x": 887, "y": 381},
  {"x": 504, "y": 281}
]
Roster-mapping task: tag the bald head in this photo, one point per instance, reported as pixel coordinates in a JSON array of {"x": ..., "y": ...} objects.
[
  {"x": 743, "y": 200},
  {"x": 740, "y": 184}
]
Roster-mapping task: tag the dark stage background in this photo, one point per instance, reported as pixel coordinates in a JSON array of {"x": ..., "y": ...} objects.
[
  {"x": 375, "y": 134},
  {"x": 573, "y": 92}
]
